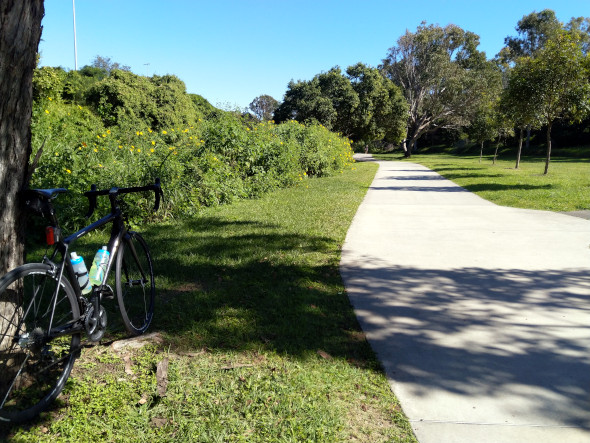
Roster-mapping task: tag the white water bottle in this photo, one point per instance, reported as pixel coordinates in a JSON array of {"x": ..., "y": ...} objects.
[
  {"x": 99, "y": 266},
  {"x": 81, "y": 272}
]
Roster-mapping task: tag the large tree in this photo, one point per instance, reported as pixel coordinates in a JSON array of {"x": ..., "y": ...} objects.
[
  {"x": 381, "y": 110},
  {"x": 20, "y": 32},
  {"x": 361, "y": 104},
  {"x": 438, "y": 70},
  {"x": 534, "y": 30},
  {"x": 555, "y": 84},
  {"x": 328, "y": 99}
]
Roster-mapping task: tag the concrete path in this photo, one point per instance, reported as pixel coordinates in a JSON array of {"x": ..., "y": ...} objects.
[{"x": 479, "y": 313}]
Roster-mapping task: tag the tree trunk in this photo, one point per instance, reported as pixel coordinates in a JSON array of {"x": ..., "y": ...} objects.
[
  {"x": 547, "y": 159},
  {"x": 496, "y": 153},
  {"x": 528, "y": 136},
  {"x": 20, "y": 32},
  {"x": 519, "y": 148},
  {"x": 480, "y": 151}
]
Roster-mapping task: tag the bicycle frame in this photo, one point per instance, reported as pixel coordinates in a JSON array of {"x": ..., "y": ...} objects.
[{"x": 118, "y": 232}]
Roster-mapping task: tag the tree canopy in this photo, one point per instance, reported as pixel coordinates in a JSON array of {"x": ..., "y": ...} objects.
[
  {"x": 361, "y": 104},
  {"x": 440, "y": 72},
  {"x": 555, "y": 84}
]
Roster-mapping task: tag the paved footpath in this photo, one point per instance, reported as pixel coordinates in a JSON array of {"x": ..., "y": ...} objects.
[{"x": 479, "y": 313}]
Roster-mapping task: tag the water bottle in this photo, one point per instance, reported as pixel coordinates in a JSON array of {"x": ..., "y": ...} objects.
[
  {"x": 99, "y": 266},
  {"x": 81, "y": 272}
]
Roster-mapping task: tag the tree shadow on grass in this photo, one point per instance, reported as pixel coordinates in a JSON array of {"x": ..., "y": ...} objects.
[{"x": 246, "y": 285}]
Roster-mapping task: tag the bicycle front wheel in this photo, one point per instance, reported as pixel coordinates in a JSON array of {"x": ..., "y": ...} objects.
[
  {"x": 134, "y": 279},
  {"x": 35, "y": 360}
]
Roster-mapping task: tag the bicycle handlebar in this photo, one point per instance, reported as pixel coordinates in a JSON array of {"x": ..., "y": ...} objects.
[{"x": 114, "y": 192}]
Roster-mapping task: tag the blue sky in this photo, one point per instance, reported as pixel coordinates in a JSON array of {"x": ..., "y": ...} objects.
[{"x": 231, "y": 51}]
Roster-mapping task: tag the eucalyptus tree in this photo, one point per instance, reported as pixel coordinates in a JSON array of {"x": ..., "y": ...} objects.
[
  {"x": 439, "y": 71},
  {"x": 534, "y": 30}
]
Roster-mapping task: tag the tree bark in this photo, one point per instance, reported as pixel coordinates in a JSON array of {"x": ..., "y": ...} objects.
[
  {"x": 496, "y": 153},
  {"x": 480, "y": 151},
  {"x": 519, "y": 148},
  {"x": 548, "y": 157},
  {"x": 20, "y": 32}
]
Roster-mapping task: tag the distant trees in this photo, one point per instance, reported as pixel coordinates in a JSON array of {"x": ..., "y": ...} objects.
[
  {"x": 361, "y": 104},
  {"x": 442, "y": 76},
  {"x": 554, "y": 84},
  {"x": 107, "y": 65},
  {"x": 546, "y": 72},
  {"x": 263, "y": 107}
]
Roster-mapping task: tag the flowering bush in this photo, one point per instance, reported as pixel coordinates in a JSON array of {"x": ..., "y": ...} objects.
[{"x": 211, "y": 162}]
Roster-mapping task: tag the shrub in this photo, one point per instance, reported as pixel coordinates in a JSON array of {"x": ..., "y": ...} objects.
[{"x": 208, "y": 163}]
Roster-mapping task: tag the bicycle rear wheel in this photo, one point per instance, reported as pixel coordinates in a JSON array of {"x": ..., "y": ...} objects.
[
  {"x": 134, "y": 279},
  {"x": 33, "y": 367}
]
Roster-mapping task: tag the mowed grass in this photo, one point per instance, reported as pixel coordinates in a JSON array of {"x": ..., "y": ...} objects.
[
  {"x": 256, "y": 328},
  {"x": 565, "y": 188}
]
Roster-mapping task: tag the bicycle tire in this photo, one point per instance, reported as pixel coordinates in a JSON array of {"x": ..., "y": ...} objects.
[
  {"x": 134, "y": 280},
  {"x": 34, "y": 370}
]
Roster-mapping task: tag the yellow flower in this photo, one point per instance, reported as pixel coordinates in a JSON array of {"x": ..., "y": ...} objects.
[
  {"x": 95, "y": 150},
  {"x": 171, "y": 148},
  {"x": 152, "y": 150},
  {"x": 68, "y": 171},
  {"x": 49, "y": 98},
  {"x": 150, "y": 131},
  {"x": 120, "y": 147},
  {"x": 108, "y": 131},
  {"x": 164, "y": 132},
  {"x": 99, "y": 165},
  {"x": 46, "y": 111},
  {"x": 79, "y": 107},
  {"x": 138, "y": 150},
  {"x": 153, "y": 142}
]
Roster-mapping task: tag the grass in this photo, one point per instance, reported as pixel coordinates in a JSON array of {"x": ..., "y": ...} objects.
[
  {"x": 258, "y": 333},
  {"x": 565, "y": 188}
]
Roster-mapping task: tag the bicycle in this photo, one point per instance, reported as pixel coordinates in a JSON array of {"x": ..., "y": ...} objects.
[{"x": 43, "y": 312}]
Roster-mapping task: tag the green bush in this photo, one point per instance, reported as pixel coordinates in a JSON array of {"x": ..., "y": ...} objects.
[{"x": 213, "y": 161}]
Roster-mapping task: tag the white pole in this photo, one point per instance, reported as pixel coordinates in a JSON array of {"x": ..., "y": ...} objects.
[{"x": 75, "y": 46}]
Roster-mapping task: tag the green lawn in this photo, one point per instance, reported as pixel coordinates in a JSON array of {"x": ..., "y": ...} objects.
[
  {"x": 565, "y": 188},
  {"x": 260, "y": 338}
]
